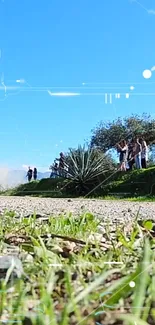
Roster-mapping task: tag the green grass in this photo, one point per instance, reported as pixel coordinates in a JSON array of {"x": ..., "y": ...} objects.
[
  {"x": 138, "y": 185},
  {"x": 131, "y": 199},
  {"x": 69, "y": 278},
  {"x": 43, "y": 188}
]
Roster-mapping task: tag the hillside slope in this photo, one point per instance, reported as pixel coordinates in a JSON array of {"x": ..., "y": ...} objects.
[
  {"x": 129, "y": 184},
  {"x": 135, "y": 183},
  {"x": 45, "y": 187}
]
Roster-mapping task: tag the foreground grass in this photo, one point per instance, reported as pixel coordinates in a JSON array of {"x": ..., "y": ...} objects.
[{"x": 78, "y": 271}]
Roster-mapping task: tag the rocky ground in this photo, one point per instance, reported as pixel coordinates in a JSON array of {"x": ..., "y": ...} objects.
[
  {"x": 112, "y": 210},
  {"x": 70, "y": 249}
]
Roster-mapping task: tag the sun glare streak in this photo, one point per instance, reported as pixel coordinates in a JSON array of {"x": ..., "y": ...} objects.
[{"x": 63, "y": 94}]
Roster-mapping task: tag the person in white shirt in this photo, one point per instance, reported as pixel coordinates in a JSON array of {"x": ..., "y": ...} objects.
[
  {"x": 143, "y": 153},
  {"x": 137, "y": 153}
]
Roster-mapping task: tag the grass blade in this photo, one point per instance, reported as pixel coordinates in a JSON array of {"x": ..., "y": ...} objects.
[
  {"x": 134, "y": 319},
  {"x": 94, "y": 285},
  {"x": 143, "y": 280}
]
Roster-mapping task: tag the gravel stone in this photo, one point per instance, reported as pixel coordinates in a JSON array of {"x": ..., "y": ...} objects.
[{"x": 120, "y": 211}]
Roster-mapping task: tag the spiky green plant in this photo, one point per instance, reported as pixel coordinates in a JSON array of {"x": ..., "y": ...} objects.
[{"x": 87, "y": 166}]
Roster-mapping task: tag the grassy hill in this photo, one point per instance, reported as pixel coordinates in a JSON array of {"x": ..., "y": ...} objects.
[
  {"x": 129, "y": 184},
  {"x": 46, "y": 187}
]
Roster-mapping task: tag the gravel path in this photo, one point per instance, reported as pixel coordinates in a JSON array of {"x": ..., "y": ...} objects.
[{"x": 112, "y": 210}]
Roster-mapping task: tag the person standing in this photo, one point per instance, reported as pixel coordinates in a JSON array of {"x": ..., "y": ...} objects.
[
  {"x": 35, "y": 174},
  {"x": 123, "y": 152},
  {"x": 144, "y": 153},
  {"x": 29, "y": 174},
  {"x": 61, "y": 164},
  {"x": 137, "y": 153},
  {"x": 56, "y": 169},
  {"x": 130, "y": 159}
]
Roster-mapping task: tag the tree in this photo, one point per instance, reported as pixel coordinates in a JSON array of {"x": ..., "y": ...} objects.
[{"x": 106, "y": 135}]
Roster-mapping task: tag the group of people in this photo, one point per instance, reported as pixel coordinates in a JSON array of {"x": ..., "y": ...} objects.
[
  {"x": 60, "y": 168},
  {"x": 32, "y": 173},
  {"x": 132, "y": 153}
]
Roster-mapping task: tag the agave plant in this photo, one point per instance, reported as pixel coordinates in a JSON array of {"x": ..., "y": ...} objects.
[{"x": 86, "y": 167}]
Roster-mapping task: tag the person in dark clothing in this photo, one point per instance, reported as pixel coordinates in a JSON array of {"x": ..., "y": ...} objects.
[
  {"x": 35, "y": 174},
  {"x": 130, "y": 159},
  {"x": 52, "y": 171},
  {"x": 123, "y": 153},
  {"x": 29, "y": 174},
  {"x": 61, "y": 164},
  {"x": 61, "y": 161},
  {"x": 55, "y": 169}
]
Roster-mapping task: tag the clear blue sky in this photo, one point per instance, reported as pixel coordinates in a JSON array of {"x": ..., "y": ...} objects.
[{"x": 57, "y": 43}]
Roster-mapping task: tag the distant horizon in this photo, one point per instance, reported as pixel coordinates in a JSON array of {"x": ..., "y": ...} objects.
[{"x": 13, "y": 177}]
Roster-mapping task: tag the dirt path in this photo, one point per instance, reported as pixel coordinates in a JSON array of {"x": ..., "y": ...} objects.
[{"x": 112, "y": 210}]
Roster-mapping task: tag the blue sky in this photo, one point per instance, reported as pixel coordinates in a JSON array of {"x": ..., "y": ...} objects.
[{"x": 57, "y": 43}]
